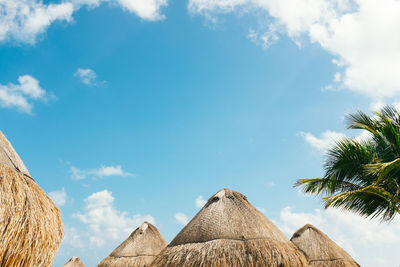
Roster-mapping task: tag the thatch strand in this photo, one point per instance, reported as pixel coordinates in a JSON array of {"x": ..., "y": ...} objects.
[
  {"x": 74, "y": 262},
  {"x": 320, "y": 250},
  {"x": 138, "y": 250},
  {"x": 229, "y": 231},
  {"x": 30, "y": 223}
]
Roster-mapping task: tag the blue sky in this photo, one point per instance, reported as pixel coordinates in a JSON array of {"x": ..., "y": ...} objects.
[{"x": 134, "y": 110}]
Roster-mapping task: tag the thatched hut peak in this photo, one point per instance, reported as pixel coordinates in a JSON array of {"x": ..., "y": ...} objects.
[
  {"x": 320, "y": 250},
  {"x": 30, "y": 224},
  {"x": 229, "y": 231},
  {"x": 74, "y": 262},
  {"x": 138, "y": 250},
  {"x": 9, "y": 157}
]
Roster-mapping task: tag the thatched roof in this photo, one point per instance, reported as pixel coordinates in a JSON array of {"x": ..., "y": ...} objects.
[
  {"x": 320, "y": 250},
  {"x": 138, "y": 250},
  {"x": 74, "y": 262},
  {"x": 30, "y": 223},
  {"x": 229, "y": 231}
]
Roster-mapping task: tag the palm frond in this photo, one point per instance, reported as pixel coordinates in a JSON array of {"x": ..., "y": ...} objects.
[
  {"x": 363, "y": 176},
  {"x": 381, "y": 170},
  {"x": 313, "y": 186},
  {"x": 390, "y": 134},
  {"x": 389, "y": 113},
  {"x": 345, "y": 162},
  {"x": 361, "y": 121},
  {"x": 371, "y": 201},
  {"x": 319, "y": 186}
]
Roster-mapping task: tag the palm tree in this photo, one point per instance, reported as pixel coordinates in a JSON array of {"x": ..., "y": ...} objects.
[{"x": 363, "y": 176}]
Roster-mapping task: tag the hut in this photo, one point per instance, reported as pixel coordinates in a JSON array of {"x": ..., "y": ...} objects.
[
  {"x": 229, "y": 231},
  {"x": 74, "y": 262},
  {"x": 138, "y": 250},
  {"x": 320, "y": 250},
  {"x": 30, "y": 223}
]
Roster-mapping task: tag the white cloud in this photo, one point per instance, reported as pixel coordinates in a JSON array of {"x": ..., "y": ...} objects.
[
  {"x": 377, "y": 105},
  {"x": 111, "y": 171},
  {"x": 24, "y": 20},
  {"x": 367, "y": 44},
  {"x": 323, "y": 143},
  {"x": 87, "y": 76},
  {"x": 362, "y": 35},
  {"x": 105, "y": 223},
  {"x": 181, "y": 218},
  {"x": 59, "y": 197},
  {"x": 370, "y": 242},
  {"x": 103, "y": 171},
  {"x": 72, "y": 238},
  {"x": 200, "y": 202},
  {"x": 73, "y": 242},
  {"x": 145, "y": 9},
  {"x": 20, "y": 95},
  {"x": 364, "y": 135},
  {"x": 328, "y": 139}
]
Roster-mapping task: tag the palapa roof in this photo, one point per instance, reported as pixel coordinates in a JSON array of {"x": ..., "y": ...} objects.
[
  {"x": 9, "y": 157},
  {"x": 229, "y": 231},
  {"x": 320, "y": 250},
  {"x": 74, "y": 262},
  {"x": 139, "y": 249},
  {"x": 30, "y": 224}
]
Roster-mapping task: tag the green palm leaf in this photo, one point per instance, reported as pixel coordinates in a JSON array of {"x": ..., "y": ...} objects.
[{"x": 363, "y": 176}]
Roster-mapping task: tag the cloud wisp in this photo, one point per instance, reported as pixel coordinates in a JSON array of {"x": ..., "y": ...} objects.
[
  {"x": 181, "y": 218},
  {"x": 103, "y": 171},
  {"x": 88, "y": 77},
  {"x": 59, "y": 197},
  {"x": 21, "y": 95},
  {"x": 200, "y": 202},
  {"x": 323, "y": 143}
]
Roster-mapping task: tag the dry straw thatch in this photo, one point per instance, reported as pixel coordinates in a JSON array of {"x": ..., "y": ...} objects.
[
  {"x": 138, "y": 250},
  {"x": 320, "y": 250},
  {"x": 229, "y": 231},
  {"x": 30, "y": 223},
  {"x": 74, "y": 262}
]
